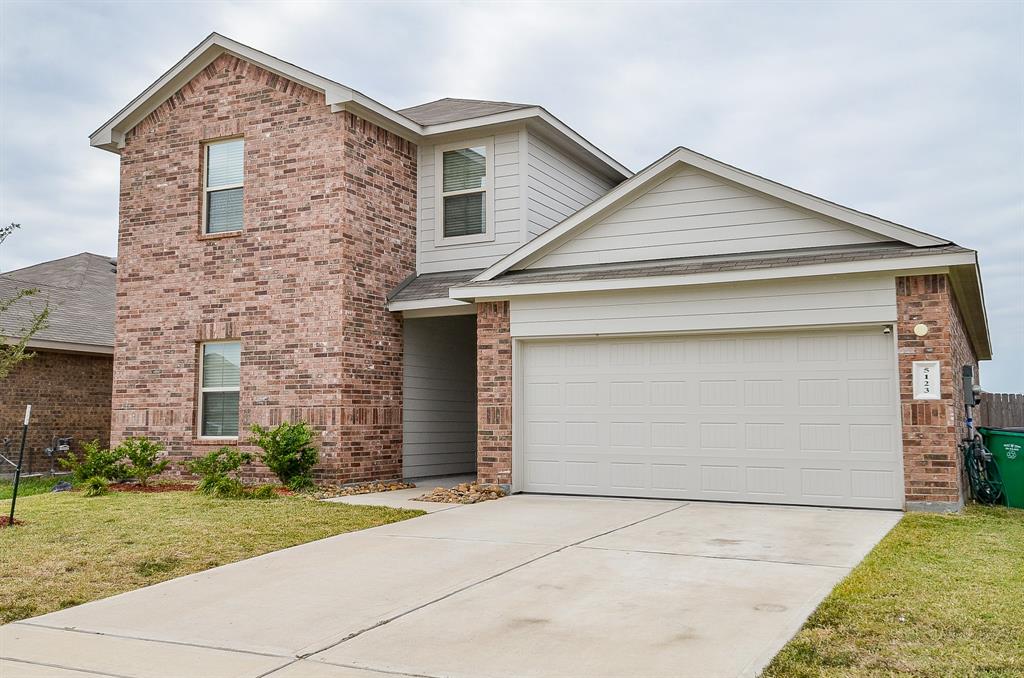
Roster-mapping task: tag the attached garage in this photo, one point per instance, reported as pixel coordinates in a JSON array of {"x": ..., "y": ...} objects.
[
  {"x": 795, "y": 417},
  {"x": 703, "y": 333}
]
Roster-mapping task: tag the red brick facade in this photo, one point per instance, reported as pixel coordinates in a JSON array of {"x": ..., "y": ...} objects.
[
  {"x": 494, "y": 393},
  {"x": 932, "y": 429},
  {"x": 329, "y": 229},
  {"x": 70, "y": 396}
]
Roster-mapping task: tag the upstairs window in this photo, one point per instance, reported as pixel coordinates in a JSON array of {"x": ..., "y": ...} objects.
[
  {"x": 465, "y": 192},
  {"x": 219, "y": 371},
  {"x": 222, "y": 186}
]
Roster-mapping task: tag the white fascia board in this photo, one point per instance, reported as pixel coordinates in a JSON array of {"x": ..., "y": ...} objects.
[
  {"x": 808, "y": 201},
  {"x": 625, "y": 191},
  {"x": 418, "y": 304},
  {"x": 110, "y": 136},
  {"x": 563, "y": 231},
  {"x": 532, "y": 113},
  {"x": 918, "y": 265}
]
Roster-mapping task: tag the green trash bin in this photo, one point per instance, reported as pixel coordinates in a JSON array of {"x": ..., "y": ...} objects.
[{"x": 1007, "y": 448}]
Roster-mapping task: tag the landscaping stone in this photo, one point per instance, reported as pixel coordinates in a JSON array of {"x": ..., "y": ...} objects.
[
  {"x": 331, "y": 491},
  {"x": 465, "y": 493},
  {"x": 62, "y": 486}
]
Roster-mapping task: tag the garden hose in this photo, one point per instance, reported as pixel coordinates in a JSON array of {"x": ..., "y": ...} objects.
[{"x": 986, "y": 483}]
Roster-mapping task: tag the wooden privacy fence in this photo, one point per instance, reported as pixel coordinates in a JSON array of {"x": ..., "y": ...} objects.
[{"x": 1000, "y": 410}]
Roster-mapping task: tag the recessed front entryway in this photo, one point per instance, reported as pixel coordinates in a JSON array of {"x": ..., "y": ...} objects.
[
  {"x": 528, "y": 585},
  {"x": 439, "y": 396},
  {"x": 790, "y": 417}
]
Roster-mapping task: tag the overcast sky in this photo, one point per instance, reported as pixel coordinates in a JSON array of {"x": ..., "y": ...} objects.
[{"x": 913, "y": 112}]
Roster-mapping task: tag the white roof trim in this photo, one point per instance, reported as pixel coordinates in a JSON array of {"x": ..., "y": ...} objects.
[
  {"x": 417, "y": 304},
  {"x": 110, "y": 135},
  {"x": 918, "y": 264},
  {"x": 532, "y": 112},
  {"x": 625, "y": 191}
]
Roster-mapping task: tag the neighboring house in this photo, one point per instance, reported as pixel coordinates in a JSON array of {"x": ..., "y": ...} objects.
[
  {"x": 471, "y": 286},
  {"x": 68, "y": 381}
]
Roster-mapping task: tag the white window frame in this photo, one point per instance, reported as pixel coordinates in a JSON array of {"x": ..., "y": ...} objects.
[
  {"x": 439, "y": 193},
  {"x": 216, "y": 389},
  {"x": 207, "y": 189}
]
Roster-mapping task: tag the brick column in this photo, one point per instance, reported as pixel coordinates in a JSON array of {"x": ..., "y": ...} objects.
[
  {"x": 494, "y": 393},
  {"x": 932, "y": 429}
]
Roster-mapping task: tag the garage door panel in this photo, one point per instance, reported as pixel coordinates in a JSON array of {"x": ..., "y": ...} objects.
[{"x": 789, "y": 417}]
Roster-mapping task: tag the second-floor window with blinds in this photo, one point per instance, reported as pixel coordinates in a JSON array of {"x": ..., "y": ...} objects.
[
  {"x": 223, "y": 179},
  {"x": 464, "y": 191}
]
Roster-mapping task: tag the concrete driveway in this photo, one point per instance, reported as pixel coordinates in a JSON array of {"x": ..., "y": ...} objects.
[{"x": 525, "y": 586}]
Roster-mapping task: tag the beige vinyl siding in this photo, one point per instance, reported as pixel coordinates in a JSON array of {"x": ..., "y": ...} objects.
[
  {"x": 433, "y": 258},
  {"x": 558, "y": 186},
  {"x": 439, "y": 409},
  {"x": 834, "y": 300},
  {"x": 692, "y": 213}
]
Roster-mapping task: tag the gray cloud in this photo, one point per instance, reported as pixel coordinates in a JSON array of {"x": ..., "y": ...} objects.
[{"x": 913, "y": 112}]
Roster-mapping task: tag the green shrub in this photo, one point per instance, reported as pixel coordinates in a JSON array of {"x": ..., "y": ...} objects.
[
  {"x": 216, "y": 471},
  {"x": 96, "y": 462},
  {"x": 145, "y": 458},
  {"x": 263, "y": 492},
  {"x": 288, "y": 451},
  {"x": 94, "y": 486}
]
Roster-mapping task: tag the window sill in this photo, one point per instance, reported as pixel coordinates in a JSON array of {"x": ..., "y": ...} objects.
[
  {"x": 218, "y": 236},
  {"x": 474, "y": 239},
  {"x": 226, "y": 440}
]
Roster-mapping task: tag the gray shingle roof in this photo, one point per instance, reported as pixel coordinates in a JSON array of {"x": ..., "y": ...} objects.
[
  {"x": 713, "y": 264},
  {"x": 431, "y": 285},
  {"x": 451, "y": 110},
  {"x": 80, "y": 292}
]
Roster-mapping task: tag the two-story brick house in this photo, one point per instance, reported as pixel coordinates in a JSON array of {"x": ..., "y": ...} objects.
[{"x": 471, "y": 286}]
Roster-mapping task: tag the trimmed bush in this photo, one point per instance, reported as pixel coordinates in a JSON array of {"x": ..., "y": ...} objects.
[
  {"x": 288, "y": 451},
  {"x": 217, "y": 471},
  {"x": 94, "y": 487},
  {"x": 95, "y": 462},
  {"x": 145, "y": 458}
]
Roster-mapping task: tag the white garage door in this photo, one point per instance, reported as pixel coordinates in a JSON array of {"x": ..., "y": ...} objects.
[{"x": 792, "y": 417}]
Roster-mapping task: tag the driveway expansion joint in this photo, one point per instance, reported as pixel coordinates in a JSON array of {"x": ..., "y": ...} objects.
[
  {"x": 72, "y": 629},
  {"x": 383, "y": 622},
  {"x": 714, "y": 557},
  {"x": 64, "y": 667}
]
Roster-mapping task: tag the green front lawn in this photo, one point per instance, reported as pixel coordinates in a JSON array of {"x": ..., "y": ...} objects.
[
  {"x": 73, "y": 549},
  {"x": 28, "y": 486},
  {"x": 939, "y": 596}
]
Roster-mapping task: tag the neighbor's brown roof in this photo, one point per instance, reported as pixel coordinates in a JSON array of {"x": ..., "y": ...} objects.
[
  {"x": 452, "y": 110},
  {"x": 80, "y": 292}
]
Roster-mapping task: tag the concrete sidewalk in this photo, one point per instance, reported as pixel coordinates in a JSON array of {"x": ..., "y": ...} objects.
[{"x": 527, "y": 586}]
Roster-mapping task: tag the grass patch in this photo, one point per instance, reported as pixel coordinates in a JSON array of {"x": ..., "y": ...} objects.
[
  {"x": 72, "y": 550},
  {"x": 941, "y": 595},
  {"x": 29, "y": 486}
]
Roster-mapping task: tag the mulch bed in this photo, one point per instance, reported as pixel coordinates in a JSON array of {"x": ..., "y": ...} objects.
[
  {"x": 465, "y": 493},
  {"x": 155, "y": 487},
  {"x": 6, "y": 520}
]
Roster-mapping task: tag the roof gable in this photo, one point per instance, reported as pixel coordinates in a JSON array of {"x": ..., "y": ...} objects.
[
  {"x": 693, "y": 213},
  {"x": 688, "y": 204}
]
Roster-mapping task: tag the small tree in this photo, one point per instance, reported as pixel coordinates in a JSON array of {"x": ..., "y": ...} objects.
[
  {"x": 14, "y": 349},
  {"x": 145, "y": 457},
  {"x": 288, "y": 451}
]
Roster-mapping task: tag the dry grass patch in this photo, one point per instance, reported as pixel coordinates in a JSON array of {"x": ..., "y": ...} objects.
[
  {"x": 72, "y": 549},
  {"x": 939, "y": 596}
]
